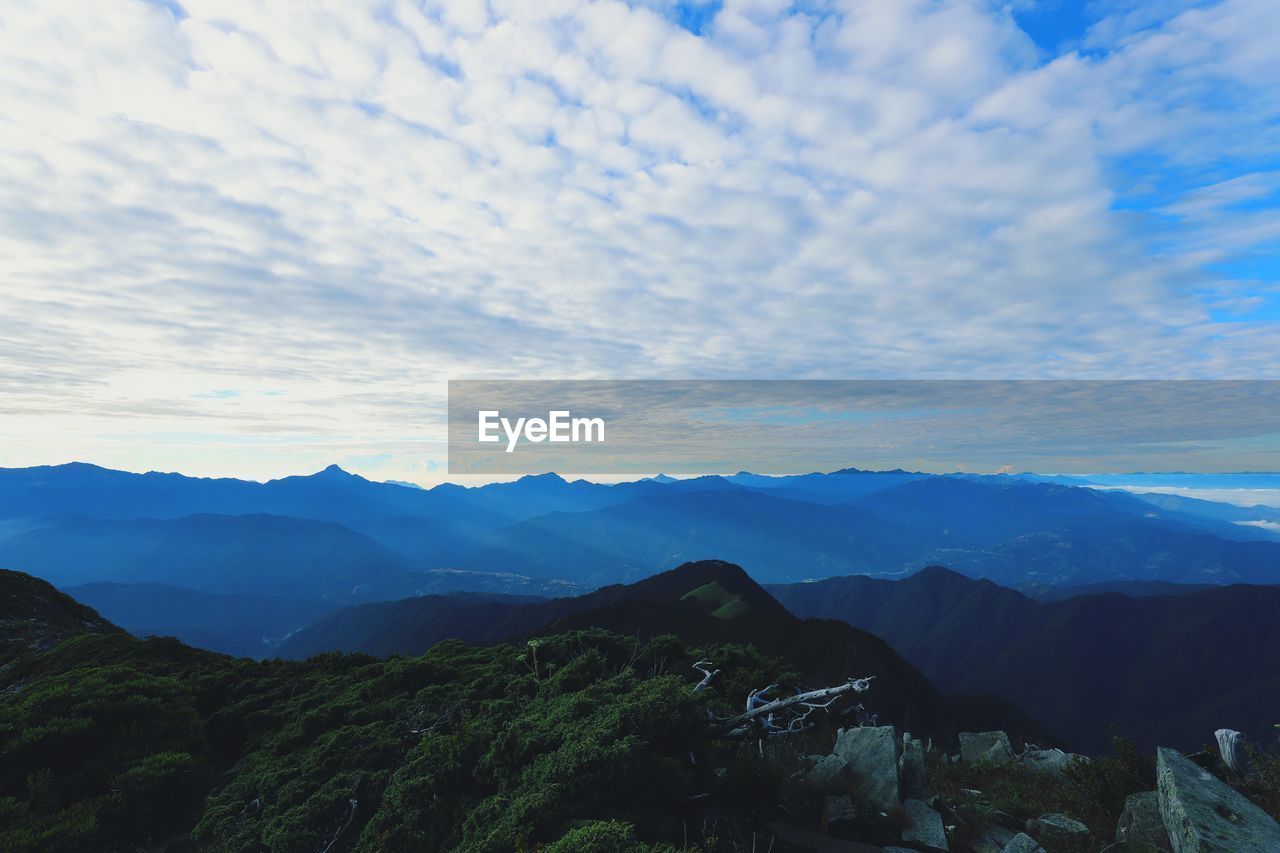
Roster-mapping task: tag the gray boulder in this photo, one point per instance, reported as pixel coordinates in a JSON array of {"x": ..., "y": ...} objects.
[
  {"x": 993, "y": 840},
  {"x": 924, "y": 827},
  {"x": 1141, "y": 827},
  {"x": 911, "y": 767},
  {"x": 1022, "y": 843},
  {"x": 985, "y": 748},
  {"x": 826, "y": 772},
  {"x": 870, "y": 754},
  {"x": 1059, "y": 832},
  {"x": 1051, "y": 761},
  {"x": 1201, "y": 813}
]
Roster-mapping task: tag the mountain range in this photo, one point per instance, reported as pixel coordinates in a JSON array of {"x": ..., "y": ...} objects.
[
  {"x": 103, "y": 525},
  {"x": 1129, "y": 598}
]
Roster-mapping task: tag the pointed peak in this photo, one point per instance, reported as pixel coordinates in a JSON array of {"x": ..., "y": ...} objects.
[
  {"x": 549, "y": 477},
  {"x": 936, "y": 574},
  {"x": 334, "y": 471}
]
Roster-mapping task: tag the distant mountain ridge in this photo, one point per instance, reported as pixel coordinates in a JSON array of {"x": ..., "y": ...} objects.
[
  {"x": 340, "y": 538},
  {"x": 1165, "y": 668}
]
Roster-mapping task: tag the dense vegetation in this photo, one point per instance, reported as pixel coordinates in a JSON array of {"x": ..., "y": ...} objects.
[{"x": 109, "y": 742}]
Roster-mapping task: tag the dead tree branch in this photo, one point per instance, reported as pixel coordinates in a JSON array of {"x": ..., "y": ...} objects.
[
  {"x": 702, "y": 666},
  {"x": 765, "y": 715}
]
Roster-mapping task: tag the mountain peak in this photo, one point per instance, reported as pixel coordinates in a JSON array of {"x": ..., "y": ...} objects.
[
  {"x": 547, "y": 478},
  {"x": 334, "y": 471}
]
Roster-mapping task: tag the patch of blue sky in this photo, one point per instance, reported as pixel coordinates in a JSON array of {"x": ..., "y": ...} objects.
[
  {"x": 694, "y": 15},
  {"x": 1056, "y": 26}
]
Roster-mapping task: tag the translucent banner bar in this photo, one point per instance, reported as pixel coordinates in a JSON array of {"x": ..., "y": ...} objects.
[{"x": 639, "y": 427}]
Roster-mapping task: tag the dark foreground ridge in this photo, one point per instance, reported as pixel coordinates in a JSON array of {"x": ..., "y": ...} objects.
[{"x": 35, "y": 617}]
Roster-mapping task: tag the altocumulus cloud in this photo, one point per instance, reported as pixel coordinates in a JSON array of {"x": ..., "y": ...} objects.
[{"x": 245, "y": 236}]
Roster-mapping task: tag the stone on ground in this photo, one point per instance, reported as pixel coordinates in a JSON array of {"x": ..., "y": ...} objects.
[
  {"x": 1059, "y": 832},
  {"x": 870, "y": 754},
  {"x": 1141, "y": 827},
  {"x": 911, "y": 767},
  {"x": 1023, "y": 843},
  {"x": 826, "y": 772},
  {"x": 1052, "y": 761},
  {"x": 924, "y": 827},
  {"x": 1202, "y": 813},
  {"x": 985, "y": 747}
]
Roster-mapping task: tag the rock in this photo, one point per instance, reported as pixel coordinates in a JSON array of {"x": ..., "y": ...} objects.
[
  {"x": 837, "y": 810},
  {"x": 1140, "y": 825},
  {"x": 985, "y": 747},
  {"x": 1022, "y": 843},
  {"x": 911, "y": 767},
  {"x": 993, "y": 840},
  {"x": 924, "y": 827},
  {"x": 825, "y": 772},
  {"x": 1231, "y": 747},
  {"x": 1202, "y": 813},
  {"x": 871, "y": 758},
  {"x": 1059, "y": 832},
  {"x": 1052, "y": 761}
]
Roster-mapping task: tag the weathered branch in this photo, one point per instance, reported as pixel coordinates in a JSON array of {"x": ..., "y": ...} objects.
[
  {"x": 784, "y": 715},
  {"x": 707, "y": 675}
]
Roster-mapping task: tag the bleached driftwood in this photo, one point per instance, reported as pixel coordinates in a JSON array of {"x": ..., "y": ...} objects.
[{"x": 785, "y": 714}]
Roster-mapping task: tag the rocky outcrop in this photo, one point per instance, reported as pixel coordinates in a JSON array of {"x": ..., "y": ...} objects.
[
  {"x": 1059, "y": 832},
  {"x": 824, "y": 772},
  {"x": 986, "y": 748},
  {"x": 911, "y": 767},
  {"x": 1023, "y": 843},
  {"x": 1203, "y": 814},
  {"x": 1140, "y": 826},
  {"x": 993, "y": 839},
  {"x": 1052, "y": 761},
  {"x": 870, "y": 756},
  {"x": 924, "y": 829}
]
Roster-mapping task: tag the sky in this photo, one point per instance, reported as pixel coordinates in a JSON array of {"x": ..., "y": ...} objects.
[{"x": 254, "y": 238}]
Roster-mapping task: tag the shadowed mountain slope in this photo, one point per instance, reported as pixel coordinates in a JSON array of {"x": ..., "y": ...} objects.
[
  {"x": 703, "y": 602},
  {"x": 1164, "y": 669}
]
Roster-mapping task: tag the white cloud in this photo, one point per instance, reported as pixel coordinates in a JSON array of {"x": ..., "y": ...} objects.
[{"x": 352, "y": 201}]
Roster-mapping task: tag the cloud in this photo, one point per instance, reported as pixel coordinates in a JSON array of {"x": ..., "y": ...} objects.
[{"x": 351, "y": 204}]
